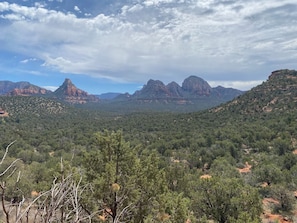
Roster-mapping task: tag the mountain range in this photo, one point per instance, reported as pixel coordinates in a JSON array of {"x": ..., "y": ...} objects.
[
  {"x": 21, "y": 88},
  {"x": 276, "y": 95},
  {"x": 193, "y": 90},
  {"x": 67, "y": 92}
]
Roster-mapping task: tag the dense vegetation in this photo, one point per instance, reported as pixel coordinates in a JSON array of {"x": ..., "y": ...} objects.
[{"x": 154, "y": 167}]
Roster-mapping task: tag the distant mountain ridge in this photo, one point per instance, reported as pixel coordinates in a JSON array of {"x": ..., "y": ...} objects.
[
  {"x": 67, "y": 92},
  {"x": 29, "y": 90},
  {"x": 21, "y": 88},
  {"x": 193, "y": 90},
  {"x": 277, "y": 94},
  {"x": 108, "y": 96}
]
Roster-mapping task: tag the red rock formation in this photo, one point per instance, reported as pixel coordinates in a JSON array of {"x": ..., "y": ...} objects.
[
  {"x": 30, "y": 90},
  {"x": 196, "y": 85},
  {"x": 70, "y": 93}
]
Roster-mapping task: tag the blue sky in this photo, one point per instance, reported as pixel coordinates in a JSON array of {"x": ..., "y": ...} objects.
[{"x": 117, "y": 46}]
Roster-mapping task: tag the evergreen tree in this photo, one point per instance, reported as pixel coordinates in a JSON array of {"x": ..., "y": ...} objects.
[
  {"x": 226, "y": 200},
  {"x": 128, "y": 185}
]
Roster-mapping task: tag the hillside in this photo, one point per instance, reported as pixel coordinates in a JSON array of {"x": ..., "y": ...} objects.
[
  {"x": 18, "y": 106},
  {"x": 276, "y": 95}
]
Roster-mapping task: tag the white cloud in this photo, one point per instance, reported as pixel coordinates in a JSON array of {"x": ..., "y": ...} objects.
[
  {"x": 40, "y": 4},
  {"x": 3, "y": 6},
  {"x": 156, "y": 2},
  {"x": 76, "y": 8},
  {"x": 177, "y": 38},
  {"x": 28, "y": 60},
  {"x": 128, "y": 9},
  {"x": 241, "y": 85}
]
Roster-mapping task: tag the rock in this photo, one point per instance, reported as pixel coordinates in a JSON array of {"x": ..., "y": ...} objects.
[
  {"x": 196, "y": 86},
  {"x": 71, "y": 94}
]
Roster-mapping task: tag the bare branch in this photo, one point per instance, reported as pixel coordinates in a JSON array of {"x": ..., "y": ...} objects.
[
  {"x": 21, "y": 215},
  {"x": 2, "y": 186},
  {"x": 6, "y": 151},
  {"x": 122, "y": 212},
  {"x": 62, "y": 203},
  {"x": 3, "y": 158}
]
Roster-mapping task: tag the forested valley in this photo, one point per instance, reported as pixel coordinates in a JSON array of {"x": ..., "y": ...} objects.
[{"x": 233, "y": 163}]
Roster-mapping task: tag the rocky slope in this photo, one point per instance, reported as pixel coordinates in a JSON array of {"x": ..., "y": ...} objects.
[
  {"x": 29, "y": 91},
  {"x": 277, "y": 94},
  {"x": 19, "y": 106},
  {"x": 21, "y": 88},
  {"x": 70, "y": 93}
]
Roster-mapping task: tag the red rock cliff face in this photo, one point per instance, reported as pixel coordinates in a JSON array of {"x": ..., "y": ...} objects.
[
  {"x": 69, "y": 89},
  {"x": 175, "y": 90},
  {"x": 152, "y": 90},
  {"x": 70, "y": 93},
  {"x": 196, "y": 85},
  {"x": 73, "y": 91},
  {"x": 30, "y": 90}
]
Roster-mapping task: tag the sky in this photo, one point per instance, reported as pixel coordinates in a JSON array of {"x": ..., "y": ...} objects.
[{"x": 118, "y": 45}]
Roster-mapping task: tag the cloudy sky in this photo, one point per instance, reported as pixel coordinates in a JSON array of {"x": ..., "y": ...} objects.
[{"x": 118, "y": 45}]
